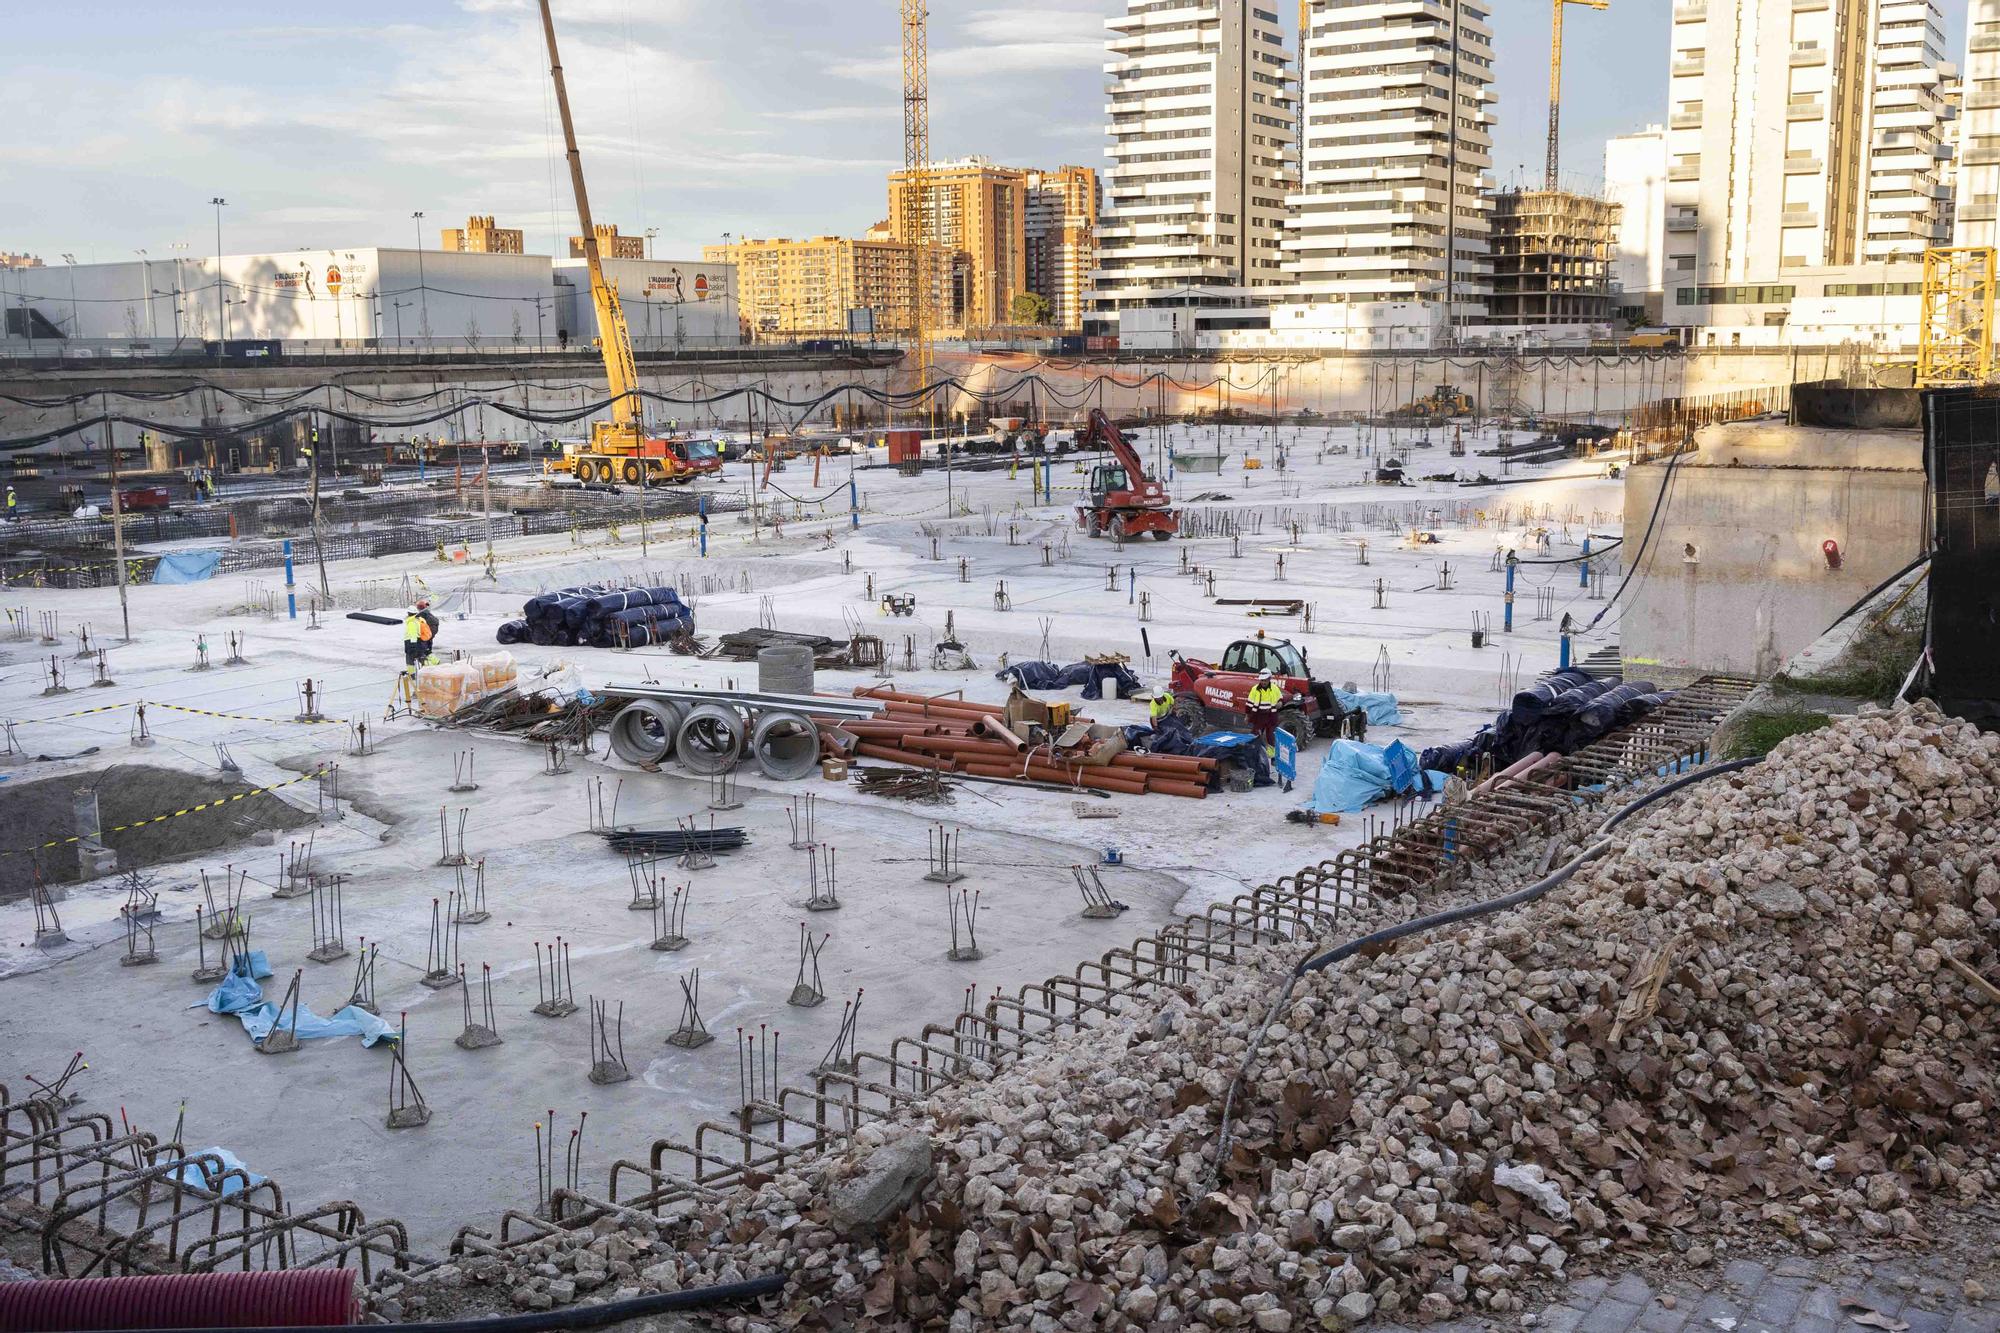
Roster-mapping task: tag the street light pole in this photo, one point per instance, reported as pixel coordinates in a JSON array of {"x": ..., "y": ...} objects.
[
  {"x": 423, "y": 292},
  {"x": 75, "y": 320},
  {"x": 146, "y": 286},
  {"x": 218, "y": 201}
]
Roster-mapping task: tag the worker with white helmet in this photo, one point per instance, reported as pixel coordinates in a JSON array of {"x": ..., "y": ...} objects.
[
  {"x": 1262, "y": 709},
  {"x": 420, "y": 629}
]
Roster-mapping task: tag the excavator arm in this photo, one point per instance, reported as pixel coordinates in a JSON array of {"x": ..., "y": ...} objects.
[{"x": 1098, "y": 432}]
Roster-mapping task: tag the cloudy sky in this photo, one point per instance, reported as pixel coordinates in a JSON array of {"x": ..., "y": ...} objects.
[{"x": 758, "y": 117}]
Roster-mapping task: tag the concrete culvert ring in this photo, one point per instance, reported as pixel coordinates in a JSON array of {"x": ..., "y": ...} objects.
[
  {"x": 785, "y": 746},
  {"x": 644, "y": 731},
  {"x": 711, "y": 740}
]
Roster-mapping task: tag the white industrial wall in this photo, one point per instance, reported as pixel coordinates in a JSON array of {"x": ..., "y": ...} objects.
[
  {"x": 392, "y": 297},
  {"x": 668, "y": 302}
]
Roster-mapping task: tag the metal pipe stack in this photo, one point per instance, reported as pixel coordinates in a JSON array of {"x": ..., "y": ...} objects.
[{"x": 954, "y": 736}]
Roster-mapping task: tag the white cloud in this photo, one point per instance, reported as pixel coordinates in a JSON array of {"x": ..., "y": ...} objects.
[{"x": 882, "y": 111}]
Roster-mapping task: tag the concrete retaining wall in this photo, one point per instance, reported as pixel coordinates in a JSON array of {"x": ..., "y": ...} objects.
[{"x": 1755, "y": 504}]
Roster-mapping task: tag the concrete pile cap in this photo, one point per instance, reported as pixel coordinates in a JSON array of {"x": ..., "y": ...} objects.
[{"x": 1446, "y": 1121}]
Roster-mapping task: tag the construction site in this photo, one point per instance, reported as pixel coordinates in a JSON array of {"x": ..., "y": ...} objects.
[{"x": 930, "y": 838}]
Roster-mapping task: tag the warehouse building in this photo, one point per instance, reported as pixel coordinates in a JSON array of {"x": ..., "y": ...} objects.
[{"x": 368, "y": 296}]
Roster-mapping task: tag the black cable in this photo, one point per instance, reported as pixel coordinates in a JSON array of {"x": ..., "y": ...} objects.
[
  {"x": 1611, "y": 545},
  {"x": 1659, "y": 503},
  {"x": 1878, "y": 589},
  {"x": 577, "y": 1316}
]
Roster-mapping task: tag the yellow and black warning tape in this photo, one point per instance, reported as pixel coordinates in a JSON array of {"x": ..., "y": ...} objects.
[
  {"x": 216, "y": 804},
  {"x": 64, "y": 717},
  {"x": 178, "y": 708},
  {"x": 244, "y": 717}
]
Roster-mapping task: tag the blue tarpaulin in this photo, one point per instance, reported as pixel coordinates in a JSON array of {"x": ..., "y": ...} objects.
[
  {"x": 187, "y": 567},
  {"x": 203, "y": 1175},
  {"x": 1234, "y": 747},
  {"x": 241, "y": 996},
  {"x": 1381, "y": 709},
  {"x": 1355, "y": 775}
]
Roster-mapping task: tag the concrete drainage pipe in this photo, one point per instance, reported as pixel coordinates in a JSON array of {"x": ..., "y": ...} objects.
[
  {"x": 643, "y": 732},
  {"x": 711, "y": 740},
  {"x": 785, "y": 746}
]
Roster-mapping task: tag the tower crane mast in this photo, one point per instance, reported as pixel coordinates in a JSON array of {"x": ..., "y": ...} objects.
[{"x": 1555, "y": 83}]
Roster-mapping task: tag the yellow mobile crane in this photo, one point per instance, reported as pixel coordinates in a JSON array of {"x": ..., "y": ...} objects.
[{"x": 618, "y": 449}]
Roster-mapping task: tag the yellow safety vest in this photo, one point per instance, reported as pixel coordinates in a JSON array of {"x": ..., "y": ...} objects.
[
  {"x": 1266, "y": 696},
  {"x": 413, "y": 629},
  {"x": 1160, "y": 707}
]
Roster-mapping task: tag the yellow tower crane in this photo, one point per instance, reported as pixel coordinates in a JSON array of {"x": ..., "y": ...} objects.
[
  {"x": 1555, "y": 82},
  {"x": 916, "y": 165}
]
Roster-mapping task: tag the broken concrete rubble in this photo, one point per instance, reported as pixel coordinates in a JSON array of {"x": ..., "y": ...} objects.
[{"x": 1436, "y": 1125}]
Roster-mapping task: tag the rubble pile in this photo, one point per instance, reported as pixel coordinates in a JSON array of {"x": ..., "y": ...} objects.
[{"x": 1760, "y": 1016}]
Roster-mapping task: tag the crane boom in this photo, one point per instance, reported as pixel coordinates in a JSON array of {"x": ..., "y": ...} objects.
[
  {"x": 621, "y": 372},
  {"x": 1555, "y": 83}
]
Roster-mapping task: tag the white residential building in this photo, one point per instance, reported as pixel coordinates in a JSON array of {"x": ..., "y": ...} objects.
[
  {"x": 1635, "y": 178},
  {"x": 1909, "y": 138},
  {"x": 1398, "y": 103},
  {"x": 1803, "y": 134},
  {"x": 1200, "y": 122},
  {"x": 1978, "y": 187}
]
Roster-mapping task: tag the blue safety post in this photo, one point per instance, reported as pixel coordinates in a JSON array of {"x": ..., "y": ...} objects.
[
  {"x": 1507, "y": 621},
  {"x": 291, "y": 597},
  {"x": 1562, "y": 659},
  {"x": 853, "y": 505},
  {"x": 1583, "y": 580},
  {"x": 701, "y": 519}
]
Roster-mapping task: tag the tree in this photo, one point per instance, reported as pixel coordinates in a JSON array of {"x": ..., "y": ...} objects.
[{"x": 1031, "y": 308}]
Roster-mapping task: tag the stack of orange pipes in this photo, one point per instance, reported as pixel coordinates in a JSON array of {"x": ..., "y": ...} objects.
[{"x": 950, "y": 735}]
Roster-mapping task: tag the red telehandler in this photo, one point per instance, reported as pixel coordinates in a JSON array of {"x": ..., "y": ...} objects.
[{"x": 1122, "y": 500}]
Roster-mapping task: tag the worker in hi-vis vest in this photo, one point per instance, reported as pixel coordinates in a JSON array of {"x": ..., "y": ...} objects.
[
  {"x": 1160, "y": 707},
  {"x": 419, "y": 636},
  {"x": 1265, "y": 696}
]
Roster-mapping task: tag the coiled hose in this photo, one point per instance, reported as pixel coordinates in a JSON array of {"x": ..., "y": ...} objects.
[{"x": 1468, "y": 912}]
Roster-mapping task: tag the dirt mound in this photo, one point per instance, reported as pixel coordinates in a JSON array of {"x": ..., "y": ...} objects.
[{"x": 42, "y": 812}]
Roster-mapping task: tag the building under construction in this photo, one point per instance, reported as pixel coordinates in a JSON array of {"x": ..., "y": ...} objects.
[{"x": 1551, "y": 257}]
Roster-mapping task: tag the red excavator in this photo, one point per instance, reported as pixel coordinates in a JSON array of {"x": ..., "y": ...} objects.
[{"x": 1122, "y": 500}]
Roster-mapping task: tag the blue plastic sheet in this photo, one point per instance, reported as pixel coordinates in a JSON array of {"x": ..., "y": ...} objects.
[
  {"x": 1235, "y": 747},
  {"x": 1354, "y": 775},
  {"x": 1381, "y": 710},
  {"x": 203, "y": 1175},
  {"x": 187, "y": 567},
  {"x": 241, "y": 996}
]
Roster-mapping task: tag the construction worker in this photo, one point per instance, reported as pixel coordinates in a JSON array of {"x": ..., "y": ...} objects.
[
  {"x": 13, "y": 506},
  {"x": 1160, "y": 707},
  {"x": 1263, "y": 701},
  {"x": 419, "y": 636}
]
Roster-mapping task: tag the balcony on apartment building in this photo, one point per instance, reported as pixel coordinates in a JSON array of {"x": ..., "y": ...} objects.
[
  {"x": 1798, "y": 217},
  {"x": 1683, "y": 222},
  {"x": 1807, "y": 55},
  {"x": 1809, "y": 6},
  {"x": 1691, "y": 11},
  {"x": 1804, "y": 164},
  {"x": 1684, "y": 171},
  {"x": 1685, "y": 120},
  {"x": 1805, "y": 108},
  {"x": 1690, "y": 69}
]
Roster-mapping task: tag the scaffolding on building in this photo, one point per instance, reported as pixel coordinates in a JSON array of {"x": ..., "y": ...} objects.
[{"x": 1551, "y": 257}]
